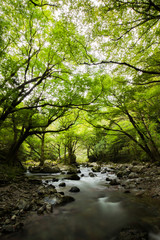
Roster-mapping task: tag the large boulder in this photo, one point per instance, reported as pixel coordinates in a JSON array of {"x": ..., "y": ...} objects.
[
  {"x": 35, "y": 169},
  {"x": 73, "y": 177},
  {"x": 48, "y": 169},
  {"x": 62, "y": 184},
  {"x": 96, "y": 169},
  {"x": 72, "y": 170}
]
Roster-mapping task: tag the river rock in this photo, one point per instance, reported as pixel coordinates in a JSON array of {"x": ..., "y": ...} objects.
[
  {"x": 133, "y": 175},
  {"x": 104, "y": 171},
  {"x": 120, "y": 174},
  {"x": 55, "y": 179},
  {"x": 13, "y": 218},
  {"x": 132, "y": 234},
  {"x": 48, "y": 169},
  {"x": 62, "y": 184},
  {"x": 96, "y": 169},
  {"x": 51, "y": 189},
  {"x": 114, "y": 182},
  {"x": 72, "y": 171},
  {"x": 91, "y": 174},
  {"x": 62, "y": 200},
  {"x": 41, "y": 209},
  {"x": 74, "y": 189},
  {"x": 137, "y": 169},
  {"x": 139, "y": 193},
  {"x": 108, "y": 179},
  {"x": 23, "y": 204},
  {"x": 35, "y": 169},
  {"x": 41, "y": 191},
  {"x": 73, "y": 177},
  {"x": 131, "y": 186},
  {"x": 40, "y": 202},
  {"x": 49, "y": 208}
]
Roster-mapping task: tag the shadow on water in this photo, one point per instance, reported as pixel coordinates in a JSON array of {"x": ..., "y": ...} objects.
[{"x": 97, "y": 214}]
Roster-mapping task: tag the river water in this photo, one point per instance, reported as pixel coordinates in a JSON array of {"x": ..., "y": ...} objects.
[{"x": 98, "y": 213}]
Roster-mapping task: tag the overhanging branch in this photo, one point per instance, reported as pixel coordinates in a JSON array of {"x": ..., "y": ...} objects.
[
  {"x": 43, "y": 4},
  {"x": 124, "y": 64}
]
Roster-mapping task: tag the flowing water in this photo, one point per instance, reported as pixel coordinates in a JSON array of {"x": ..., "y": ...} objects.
[{"x": 97, "y": 213}]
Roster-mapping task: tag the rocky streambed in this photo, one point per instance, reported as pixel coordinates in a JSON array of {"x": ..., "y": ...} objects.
[{"x": 46, "y": 194}]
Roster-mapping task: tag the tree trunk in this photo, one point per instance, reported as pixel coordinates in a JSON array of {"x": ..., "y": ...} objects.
[
  {"x": 42, "y": 158},
  {"x": 146, "y": 147},
  {"x": 88, "y": 151},
  {"x": 71, "y": 155},
  {"x": 65, "y": 157},
  {"x": 12, "y": 157}
]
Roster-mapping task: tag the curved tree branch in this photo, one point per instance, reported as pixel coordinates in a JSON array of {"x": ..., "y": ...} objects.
[
  {"x": 42, "y": 4},
  {"x": 124, "y": 64}
]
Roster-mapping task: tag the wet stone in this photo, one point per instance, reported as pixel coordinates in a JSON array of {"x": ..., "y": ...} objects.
[
  {"x": 74, "y": 189},
  {"x": 64, "y": 200},
  {"x": 41, "y": 209},
  {"x": 62, "y": 193},
  {"x": 133, "y": 175},
  {"x": 23, "y": 204},
  {"x": 49, "y": 208},
  {"x": 13, "y": 218},
  {"x": 132, "y": 234},
  {"x": 51, "y": 189},
  {"x": 72, "y": 171},
  {"x": 96, "y": 169},
  {"x": 41, "y": 190},
  {"x": 73, "y": 177},
  {"x": 55, "y": 179},
  {"x": 63, "y": 184},
  {"x": 91, "y": 174},
  {"x": 114, "y": 182},
  {"x": 104, "y": 171},
  {"x": 108, "y": 179}
]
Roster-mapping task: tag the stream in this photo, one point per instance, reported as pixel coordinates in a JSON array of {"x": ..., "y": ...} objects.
[{"x": 98, "y": 212}]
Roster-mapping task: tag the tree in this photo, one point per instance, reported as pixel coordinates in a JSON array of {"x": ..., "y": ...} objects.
[
  {"x": 123, "y": 34},
  {"x": 37, "y": 74},
  {"x": 57, "y": 57},
  {"x": 128, "y": 110}
]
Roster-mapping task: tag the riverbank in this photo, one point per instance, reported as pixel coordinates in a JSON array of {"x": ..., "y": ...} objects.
[
  {"x": 25, "y": 196},
  {"x": 138, "y": 179}
]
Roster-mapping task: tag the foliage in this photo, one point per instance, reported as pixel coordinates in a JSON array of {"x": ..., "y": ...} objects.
[{"x": 79, "y": 74}]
